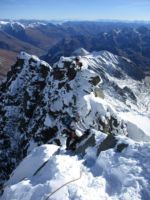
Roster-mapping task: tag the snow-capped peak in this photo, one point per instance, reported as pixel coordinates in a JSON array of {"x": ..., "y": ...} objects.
[
  {"x": 80, "y": 52},
  {"x": 15, "y": 25}
]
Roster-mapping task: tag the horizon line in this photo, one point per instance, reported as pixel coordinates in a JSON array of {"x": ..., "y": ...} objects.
[{"x": 78, "y": 20}]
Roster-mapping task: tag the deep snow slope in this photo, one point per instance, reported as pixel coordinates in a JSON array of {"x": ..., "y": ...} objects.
[
  {"x": 104, "y": 99},
  {"x": 49, "y": 173}
]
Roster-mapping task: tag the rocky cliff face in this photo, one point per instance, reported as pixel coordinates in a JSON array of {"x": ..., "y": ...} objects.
[
  {"x": 41, "y": 104},
  {"x": 20, "y": 95}
]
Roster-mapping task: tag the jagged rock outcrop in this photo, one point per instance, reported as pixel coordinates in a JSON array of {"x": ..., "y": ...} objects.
[
  {"x": 61, "y": 104},
  {"x": 20, "y": 95}
]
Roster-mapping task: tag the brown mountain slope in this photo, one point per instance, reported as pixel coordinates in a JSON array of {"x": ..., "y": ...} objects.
[
  {"x": 7, "y": 58},
  {"x": 9, "y": 47}
]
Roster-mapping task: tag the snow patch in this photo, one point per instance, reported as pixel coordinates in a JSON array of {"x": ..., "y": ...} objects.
[
  {"x": 63, "y": 172},
  {"x": 32, "y": 162},
  {"x": 138, "y": 126}
]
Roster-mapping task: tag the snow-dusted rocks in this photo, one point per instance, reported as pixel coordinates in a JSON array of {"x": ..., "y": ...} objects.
[
  {"x": 20, "y": 95},
  {"x": 78, "y": 103}
]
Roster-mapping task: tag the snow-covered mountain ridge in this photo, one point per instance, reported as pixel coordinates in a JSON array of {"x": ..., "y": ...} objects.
[
  {"x": 99, "y": 97},
  {"x": 17, "y": 24}
]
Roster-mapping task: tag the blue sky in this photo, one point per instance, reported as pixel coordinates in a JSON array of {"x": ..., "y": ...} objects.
[{"x": 75, "y": 9}]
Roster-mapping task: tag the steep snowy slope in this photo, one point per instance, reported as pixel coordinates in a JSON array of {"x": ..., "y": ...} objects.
[
  {"x": 124, "y": 89},
  {"x": 51, "y": 174},
  {"x": 94, "y": 100}
]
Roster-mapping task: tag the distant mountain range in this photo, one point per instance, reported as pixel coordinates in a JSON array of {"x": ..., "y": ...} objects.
[
  {"x": 132, "y": 43},
  {"x": 50, "y": 40}
]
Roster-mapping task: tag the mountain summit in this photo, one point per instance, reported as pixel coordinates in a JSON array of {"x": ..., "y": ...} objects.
[{"x": 80, "y": 52}]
